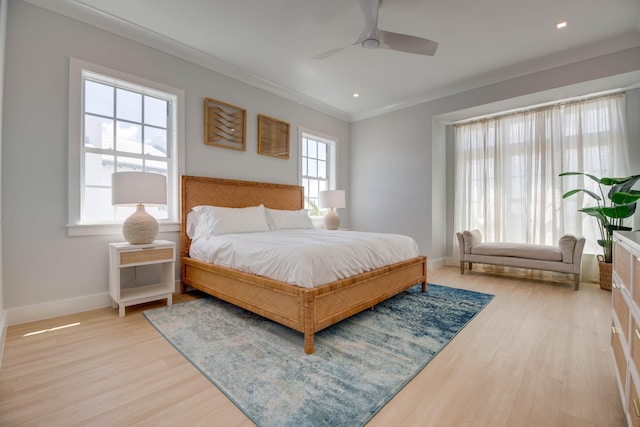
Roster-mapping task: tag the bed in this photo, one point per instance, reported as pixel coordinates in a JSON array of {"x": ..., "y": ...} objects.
[{"x": 306, "y": 310}]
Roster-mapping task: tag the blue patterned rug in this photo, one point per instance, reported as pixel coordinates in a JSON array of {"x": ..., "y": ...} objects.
[{"x": 357, "y": 367}]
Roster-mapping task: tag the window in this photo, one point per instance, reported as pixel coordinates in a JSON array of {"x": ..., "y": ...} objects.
[
  {"x": 119, "y": 123},
  {"x": 318, "y": 165},
  {"x": 507, "y": 169}
]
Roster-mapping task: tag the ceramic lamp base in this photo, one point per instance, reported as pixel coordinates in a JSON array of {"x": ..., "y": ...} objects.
[
  {"x": 331, "y": 220},
  {"x": 140, "y": 228}
]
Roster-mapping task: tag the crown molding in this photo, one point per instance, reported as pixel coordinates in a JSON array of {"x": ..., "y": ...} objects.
[{"x": 87, "y": 14}]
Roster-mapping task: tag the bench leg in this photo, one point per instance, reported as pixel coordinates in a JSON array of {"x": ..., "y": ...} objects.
[
  {"x": 461, "y": 267},
  {"x": 576, "y": 282}
]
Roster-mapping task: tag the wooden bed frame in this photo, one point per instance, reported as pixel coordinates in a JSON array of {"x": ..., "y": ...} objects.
[{"x": 302, "y": 309}]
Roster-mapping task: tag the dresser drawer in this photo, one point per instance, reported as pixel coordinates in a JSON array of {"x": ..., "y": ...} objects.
[
  {"x": 622, "y": 266},
  {"x": 621, "y": 309},
  {"x": 618, "y": 355},
  {"x": 635, "y": 346},
  {"x": 146, "y": 255},
  {"x": 633, "y": 405}
]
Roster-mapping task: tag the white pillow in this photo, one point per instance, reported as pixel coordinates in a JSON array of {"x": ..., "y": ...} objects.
[
  {"x": 216, "y": 220},
  {"x": 284, "y": 219},
  {"x": 192, "y": 224}
]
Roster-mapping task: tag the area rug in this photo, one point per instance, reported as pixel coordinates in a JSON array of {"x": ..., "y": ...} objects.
[{"x": 358, "y": 365}]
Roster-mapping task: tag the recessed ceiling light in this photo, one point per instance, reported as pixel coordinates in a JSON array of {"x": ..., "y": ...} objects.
[
  {"x": 562, "y": 24},
  {"x": 355, "y": 95}
]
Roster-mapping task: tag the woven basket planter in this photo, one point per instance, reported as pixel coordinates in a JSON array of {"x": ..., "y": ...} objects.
[{"x": 605, "y": 275}]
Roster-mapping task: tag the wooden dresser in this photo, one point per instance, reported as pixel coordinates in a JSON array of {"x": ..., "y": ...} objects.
[{"x": 625, "y": 327}]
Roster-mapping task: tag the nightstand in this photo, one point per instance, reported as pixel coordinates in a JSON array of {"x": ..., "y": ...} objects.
[{"x": 122, "y": 255}]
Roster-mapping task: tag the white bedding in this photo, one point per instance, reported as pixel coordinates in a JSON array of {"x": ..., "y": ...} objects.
[{"x": 306, "y": 257}]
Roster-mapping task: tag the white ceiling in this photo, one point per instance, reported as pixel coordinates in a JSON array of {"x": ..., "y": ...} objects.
[{"x": 270, "y": 43}]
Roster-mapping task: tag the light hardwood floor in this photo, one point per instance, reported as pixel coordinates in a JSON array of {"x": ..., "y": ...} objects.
[{"x": 537, "y": 355}]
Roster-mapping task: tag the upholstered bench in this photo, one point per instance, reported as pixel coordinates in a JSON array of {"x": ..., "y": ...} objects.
[{"x": 564, "y": 258}]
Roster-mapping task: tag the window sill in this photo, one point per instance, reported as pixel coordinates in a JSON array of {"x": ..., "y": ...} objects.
[{"x": 74, "y": 230}]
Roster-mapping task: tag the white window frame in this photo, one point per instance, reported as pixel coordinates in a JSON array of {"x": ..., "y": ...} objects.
[
  {"x": 75, "y": 226},
  {"x": 332, "y": 158}
]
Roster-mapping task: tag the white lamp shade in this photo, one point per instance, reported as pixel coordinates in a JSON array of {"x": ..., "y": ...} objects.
[
  {"x": 138, "y": 188},
  {"x": 332, "y": 199},
  {"x": 132, "y": 188}
]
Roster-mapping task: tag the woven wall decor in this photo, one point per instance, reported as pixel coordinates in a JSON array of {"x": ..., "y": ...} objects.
[
  {"x": 273, "y": 137},
  {"x": 224, "y": 125}
]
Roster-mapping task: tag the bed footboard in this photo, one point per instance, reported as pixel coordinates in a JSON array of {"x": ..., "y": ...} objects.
[{"x": 305, "y": 310}]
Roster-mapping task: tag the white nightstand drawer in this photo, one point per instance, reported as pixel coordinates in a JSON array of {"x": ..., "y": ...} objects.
[{"x": 146, "y": 255}]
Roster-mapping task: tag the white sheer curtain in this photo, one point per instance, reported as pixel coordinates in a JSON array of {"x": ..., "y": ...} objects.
[{"x": 507, "y": 182}]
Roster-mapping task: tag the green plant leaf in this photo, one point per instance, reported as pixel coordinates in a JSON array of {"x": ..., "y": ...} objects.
[
  {"x": 618, "y": 212},
  {"x": 623, "y": 185},
  {"x": 596, "y": 211},
  {"x": 589, "y": 192},
  {"x": 607, "y": 181},
  {"x": 593, "y": 177},
  {"x": 623, "y": 198},
  {"x": 603, "y": 221}
]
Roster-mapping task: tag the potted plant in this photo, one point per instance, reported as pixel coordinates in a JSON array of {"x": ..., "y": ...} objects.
[{"x": 610, "y": 211}]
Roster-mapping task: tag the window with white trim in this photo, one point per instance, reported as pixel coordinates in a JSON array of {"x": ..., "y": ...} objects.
[
  {"x": 318, "y": 168},
  {"x": 119, "y": 123},
  {"x": 508, "y": 167}
]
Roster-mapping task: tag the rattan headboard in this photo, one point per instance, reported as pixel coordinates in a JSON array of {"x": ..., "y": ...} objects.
[{"x": 196, "y": 190}]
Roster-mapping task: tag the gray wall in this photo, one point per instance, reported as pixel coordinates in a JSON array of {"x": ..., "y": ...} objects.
[
  {"x": 46, "y": 272},
  {"x": 633, "y": 133},
  {"x": 401, "y": 167},
  {"x": 3, "y": 36}
]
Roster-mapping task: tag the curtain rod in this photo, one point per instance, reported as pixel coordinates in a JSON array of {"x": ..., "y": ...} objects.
[{"x": 540, "y": 107}]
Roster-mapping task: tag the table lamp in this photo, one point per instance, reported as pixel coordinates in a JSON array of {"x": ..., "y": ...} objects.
[
  {"x": 332, "y": 199},
  {"x": 136, "y": 189}
]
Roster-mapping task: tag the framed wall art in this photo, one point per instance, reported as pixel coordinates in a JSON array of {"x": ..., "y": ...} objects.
[
  {"x": 224, "y": 125},
  {"x": 273, "y": 137}
]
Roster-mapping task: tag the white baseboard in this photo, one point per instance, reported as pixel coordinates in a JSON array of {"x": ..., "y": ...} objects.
[
  {"x": 31, "y": 313},
  {"x": 47, "y": 310},
  {"x": 435, "y": 264},
  {"x": 452, "y": 262}
]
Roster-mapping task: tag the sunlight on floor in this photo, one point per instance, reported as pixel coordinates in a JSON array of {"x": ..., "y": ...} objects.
[{"x": 51, "y": 329}]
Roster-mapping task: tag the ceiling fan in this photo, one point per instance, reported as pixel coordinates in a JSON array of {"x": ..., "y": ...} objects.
[{"x": 372, "y": 37}]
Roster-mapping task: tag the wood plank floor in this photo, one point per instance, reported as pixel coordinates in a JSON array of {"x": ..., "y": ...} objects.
[{"x": 537, "y": 355}]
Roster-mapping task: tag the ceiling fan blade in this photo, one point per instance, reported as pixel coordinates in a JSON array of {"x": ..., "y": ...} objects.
[
  {"x": 328, "y": 53},
  {"x": 370, "y": 10},
  {"x": 332, "y": 52},
  {"x": 406, "y": 43}
]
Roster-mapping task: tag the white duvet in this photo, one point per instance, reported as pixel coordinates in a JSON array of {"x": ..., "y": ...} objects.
[{"x": 304, "y": 257}]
